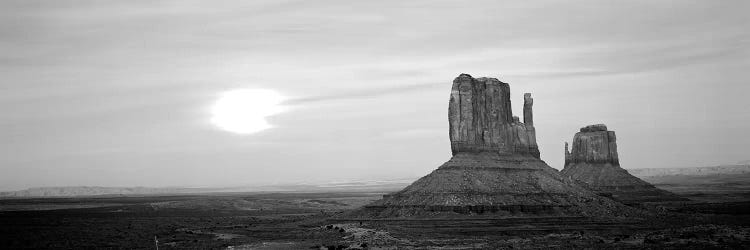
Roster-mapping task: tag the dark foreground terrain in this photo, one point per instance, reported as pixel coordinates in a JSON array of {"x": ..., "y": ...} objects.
[
  {"x": 177, "y": 222},
  {"x": 313, "y": 220}
]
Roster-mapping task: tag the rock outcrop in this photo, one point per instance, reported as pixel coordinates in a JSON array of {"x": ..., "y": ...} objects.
[
  {"x": 593, "y": 144},
  {"x": 495, "y": 166},
  {"x": 593, "y": 161},
  {"x": 481, "y": 120}
]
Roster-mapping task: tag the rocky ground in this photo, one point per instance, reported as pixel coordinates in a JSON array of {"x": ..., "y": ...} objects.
[{"x": 312, "y": 221}]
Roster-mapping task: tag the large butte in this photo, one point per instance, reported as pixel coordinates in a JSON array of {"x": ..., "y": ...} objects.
[
  {"x": 594, "y": 162},
  {"x": 495, "y": 166}
]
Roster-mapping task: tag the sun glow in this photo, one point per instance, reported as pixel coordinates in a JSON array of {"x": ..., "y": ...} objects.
[{"x": 244, "y": 111}]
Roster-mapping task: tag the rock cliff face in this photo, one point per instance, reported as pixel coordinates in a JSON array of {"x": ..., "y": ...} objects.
[
  {"x": 594, "y": 162},
  {"x": 481, "y": 120},
  {"x": 495, "y": 166},
  {"x": 593, "y": 144}
]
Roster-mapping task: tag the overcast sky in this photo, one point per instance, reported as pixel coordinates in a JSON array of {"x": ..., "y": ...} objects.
[{"x": 118, "y": 93}]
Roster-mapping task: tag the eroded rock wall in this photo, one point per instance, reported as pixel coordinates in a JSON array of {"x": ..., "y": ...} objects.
[
  {"x": 481, "y": 119},
  {"x": 593, "y": 144}
]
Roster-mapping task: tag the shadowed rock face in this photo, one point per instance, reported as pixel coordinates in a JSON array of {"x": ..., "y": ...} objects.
[
  {"x": 593, "y": 161},
  {"x": 495, "y": 167},
  {"x": 481, "y": 120}
]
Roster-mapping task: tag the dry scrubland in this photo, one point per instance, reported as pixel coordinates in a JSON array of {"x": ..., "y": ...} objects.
[
  {"x": 715, "y": 218},
  {"x": 207, "y": 221}
]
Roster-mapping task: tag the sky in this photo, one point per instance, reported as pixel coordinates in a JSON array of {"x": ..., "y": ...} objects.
[{"x": 120, "y": 93}]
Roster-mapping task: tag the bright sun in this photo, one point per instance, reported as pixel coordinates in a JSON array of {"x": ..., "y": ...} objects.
[{"x": 244, "y": 111}]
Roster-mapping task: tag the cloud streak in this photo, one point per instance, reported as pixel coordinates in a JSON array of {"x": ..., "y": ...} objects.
[{"x": 364, "y": 93}]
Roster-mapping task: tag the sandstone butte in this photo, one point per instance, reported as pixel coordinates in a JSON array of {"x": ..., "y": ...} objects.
[
  {"x": 594, "y": 162},
  {"x": 495, "y": 168}
]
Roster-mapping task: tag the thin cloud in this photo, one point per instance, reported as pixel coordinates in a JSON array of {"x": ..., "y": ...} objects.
[{"x": 364, "y": 94}]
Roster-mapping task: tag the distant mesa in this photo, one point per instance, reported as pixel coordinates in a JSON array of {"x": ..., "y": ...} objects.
[
  {"x": 82, "y": 191},
  {"x": 593, "y": 161},
  {"x": 716, "y": 171},
  {"x": 495, "y": 166}
]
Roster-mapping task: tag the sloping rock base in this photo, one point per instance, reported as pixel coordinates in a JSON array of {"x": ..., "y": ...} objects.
[
  {"x": 615, "y": 182},
  {"x": 486, "y": 183}
]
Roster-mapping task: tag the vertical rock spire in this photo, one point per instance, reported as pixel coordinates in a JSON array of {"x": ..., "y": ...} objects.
[
  {"x": 528, "y": 116},
  {"x": 528, "y": 121}
]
